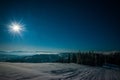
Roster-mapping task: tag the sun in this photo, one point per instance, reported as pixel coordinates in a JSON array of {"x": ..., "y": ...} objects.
[{"x": 16, "y": 28}]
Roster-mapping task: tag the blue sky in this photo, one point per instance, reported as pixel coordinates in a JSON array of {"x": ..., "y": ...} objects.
[{"x": 69, "y": 25}]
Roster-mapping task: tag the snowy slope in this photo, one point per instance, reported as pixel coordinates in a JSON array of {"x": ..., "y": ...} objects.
[{"x": 55, "y": 71}]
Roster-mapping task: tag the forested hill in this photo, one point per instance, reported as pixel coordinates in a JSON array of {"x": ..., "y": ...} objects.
[{"x": 88, "y": 58}]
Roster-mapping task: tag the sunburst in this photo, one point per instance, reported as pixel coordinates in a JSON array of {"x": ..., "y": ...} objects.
[{"x": 16, "y": 28}]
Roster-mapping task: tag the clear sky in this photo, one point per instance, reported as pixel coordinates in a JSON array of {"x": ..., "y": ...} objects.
[{"x": 61, "y": 25}]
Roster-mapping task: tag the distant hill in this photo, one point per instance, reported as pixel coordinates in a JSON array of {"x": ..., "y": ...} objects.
[
  {"x": 4, "y": 57},
  {"x": 88, "y": 58}
]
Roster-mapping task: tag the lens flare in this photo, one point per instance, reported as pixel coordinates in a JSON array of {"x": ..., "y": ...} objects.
[{"x": 16, "y": 28}]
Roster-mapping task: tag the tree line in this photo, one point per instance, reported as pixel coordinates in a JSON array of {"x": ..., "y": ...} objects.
[{"x": 91, "y": 58}]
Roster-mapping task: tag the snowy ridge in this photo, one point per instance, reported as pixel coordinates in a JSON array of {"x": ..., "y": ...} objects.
[{"x": 55, "y": 71}]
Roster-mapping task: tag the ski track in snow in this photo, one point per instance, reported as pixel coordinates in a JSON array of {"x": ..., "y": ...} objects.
[{"x": 55, "y": 71}]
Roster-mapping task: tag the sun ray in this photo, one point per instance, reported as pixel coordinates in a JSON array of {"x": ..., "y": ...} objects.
[{"x": 16, "y": 29}]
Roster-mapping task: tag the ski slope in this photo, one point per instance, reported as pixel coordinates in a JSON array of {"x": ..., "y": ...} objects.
[{"x": 55, "y": 71}]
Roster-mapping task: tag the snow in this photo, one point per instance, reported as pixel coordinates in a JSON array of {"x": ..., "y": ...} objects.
[{"x": 55, "y": 71}]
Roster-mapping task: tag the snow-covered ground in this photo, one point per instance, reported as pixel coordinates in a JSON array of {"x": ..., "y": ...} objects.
[{"x": 55, "y": 71}]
